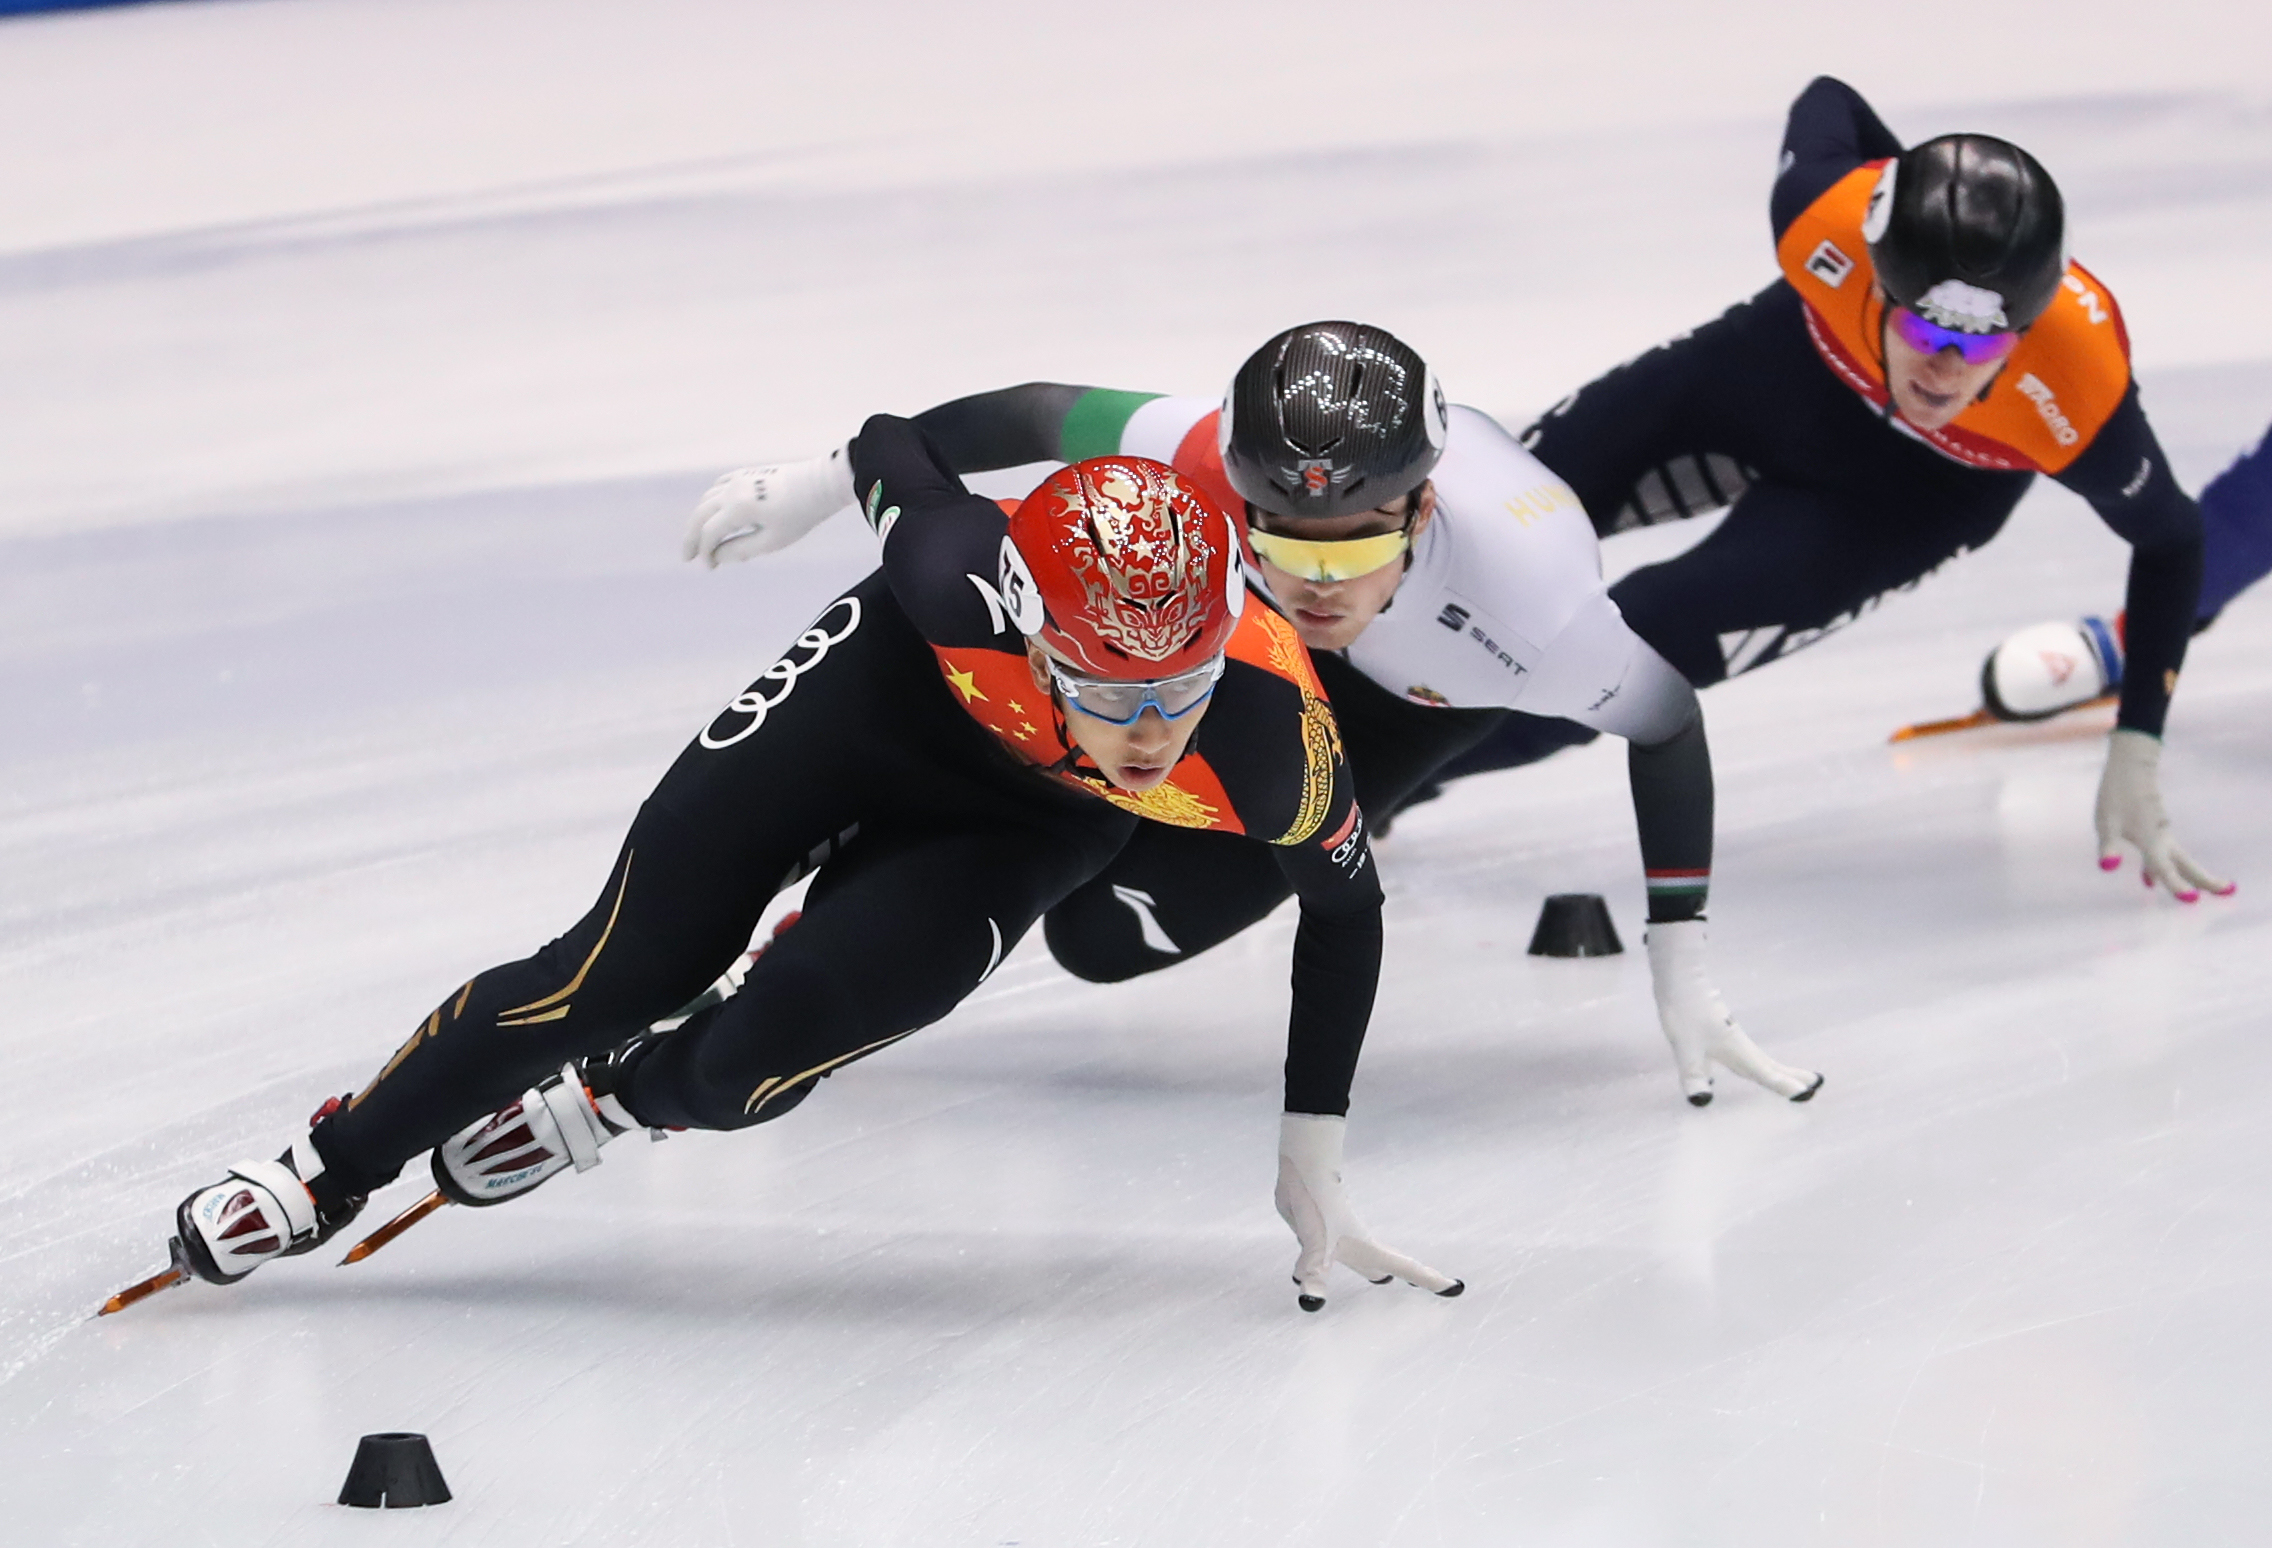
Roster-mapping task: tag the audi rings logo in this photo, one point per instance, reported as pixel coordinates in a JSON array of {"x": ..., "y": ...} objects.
[{"x": 756, "y": 702}]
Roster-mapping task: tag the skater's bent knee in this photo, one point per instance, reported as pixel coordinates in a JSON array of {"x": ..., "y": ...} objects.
[{"x": 1096, "y": 955}]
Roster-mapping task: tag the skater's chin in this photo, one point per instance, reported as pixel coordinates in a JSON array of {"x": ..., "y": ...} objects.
[{"x": 1927, "y": 408}]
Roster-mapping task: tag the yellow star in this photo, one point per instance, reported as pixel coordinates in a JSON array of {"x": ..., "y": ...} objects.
[
  {"x": 965, "y": 683},
  {"x": 1026, "y": 731},
  {"x": 1018, "y": 709}
]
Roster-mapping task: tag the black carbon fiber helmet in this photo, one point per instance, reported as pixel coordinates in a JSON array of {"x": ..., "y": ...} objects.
[
  {"x": 1968, "y": 231},
  {"x": 1330, "y": 419}
]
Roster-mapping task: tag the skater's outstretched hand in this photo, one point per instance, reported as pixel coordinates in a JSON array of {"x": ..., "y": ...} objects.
[
  {"x": 1312, "y": 1200},
  {"x": 753, "y": 511},
  {"x": 1699, "y": 1025},
  {"x": 2130, "y": 812}
]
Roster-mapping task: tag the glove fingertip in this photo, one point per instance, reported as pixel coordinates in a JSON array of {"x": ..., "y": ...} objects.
[
  {"x": 1309, "y": 1302},
  {"x": 2110, "y": 862},
  {"x": 1456, "y": 1287}
]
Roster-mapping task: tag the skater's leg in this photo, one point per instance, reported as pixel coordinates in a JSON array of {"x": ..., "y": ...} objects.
[
  {"x": 896, "y": 933},
  {"x": 1518, "y": 740},
  {"x": 742, "y": 810},
  {"x": 655, "y": 939},
  {"x": 2236, "y": 529},
  {"x": 1171, "y": 893},
  {"x": 1645, "y": 442},
  {"x": 1657, "y": 439},
  {"x": 1790, "y": 566}
]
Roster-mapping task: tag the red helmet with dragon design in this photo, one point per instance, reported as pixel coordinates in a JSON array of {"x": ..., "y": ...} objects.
[{"x": 1136, "y": 573}]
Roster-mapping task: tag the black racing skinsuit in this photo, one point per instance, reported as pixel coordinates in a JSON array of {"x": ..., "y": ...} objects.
[
  {"x": 936, "y": 847},
  {"x": 1832, "y": 507}
]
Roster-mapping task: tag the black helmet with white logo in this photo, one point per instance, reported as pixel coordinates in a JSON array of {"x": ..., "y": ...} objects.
[
  {"x": 1968, "y": 231},
  {"x": 1330, "y": 419}
]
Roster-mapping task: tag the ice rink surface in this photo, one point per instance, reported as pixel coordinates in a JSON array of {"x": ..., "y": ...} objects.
[{"x": 358, "y": 364}]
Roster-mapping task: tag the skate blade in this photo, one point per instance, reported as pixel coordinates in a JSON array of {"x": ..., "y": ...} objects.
[
  {"x": 1981, "y": 717},
  {"x": 394, "y": 1228},
  {"x": 176, "y": 1272}
]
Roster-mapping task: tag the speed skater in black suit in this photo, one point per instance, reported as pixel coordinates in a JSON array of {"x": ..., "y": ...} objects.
[
  {"x": 1877, "y": 411},
  {"x": 958, "y": 743}
]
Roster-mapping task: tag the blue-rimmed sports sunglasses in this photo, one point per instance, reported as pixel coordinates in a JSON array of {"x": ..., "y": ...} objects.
[{"x": 1119, "y": 703}]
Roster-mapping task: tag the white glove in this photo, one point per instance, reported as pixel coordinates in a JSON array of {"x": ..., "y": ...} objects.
[
  {"x": 753, "y": 511},
  {"x": 2130, "y": 811},
  {"x": 1700, "y": 1027},
  {"x": 1312, "y": 1200}
]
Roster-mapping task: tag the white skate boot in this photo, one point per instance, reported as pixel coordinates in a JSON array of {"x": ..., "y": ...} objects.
[
  {"x": 261, "y": 1210},
  {"x": 555, "y": 1125},
  {"x": 2050, "y": 667}
]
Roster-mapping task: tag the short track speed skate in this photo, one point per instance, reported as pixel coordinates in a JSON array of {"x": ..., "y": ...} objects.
[
  {"x": 556, "y": 1125},
  {"x": 2040, "y": 672},
  {"x": 260, "y": 1210}
]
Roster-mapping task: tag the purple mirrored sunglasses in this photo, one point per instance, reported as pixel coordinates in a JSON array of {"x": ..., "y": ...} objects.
[{"x": 1930, "y": 338}]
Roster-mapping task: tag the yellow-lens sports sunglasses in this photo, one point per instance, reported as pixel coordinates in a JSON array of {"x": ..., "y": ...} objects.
[{"x": 1338, "y": 560}]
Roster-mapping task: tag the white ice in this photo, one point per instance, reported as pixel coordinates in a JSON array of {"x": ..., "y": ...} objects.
[{"x": 358, "y": 363}]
